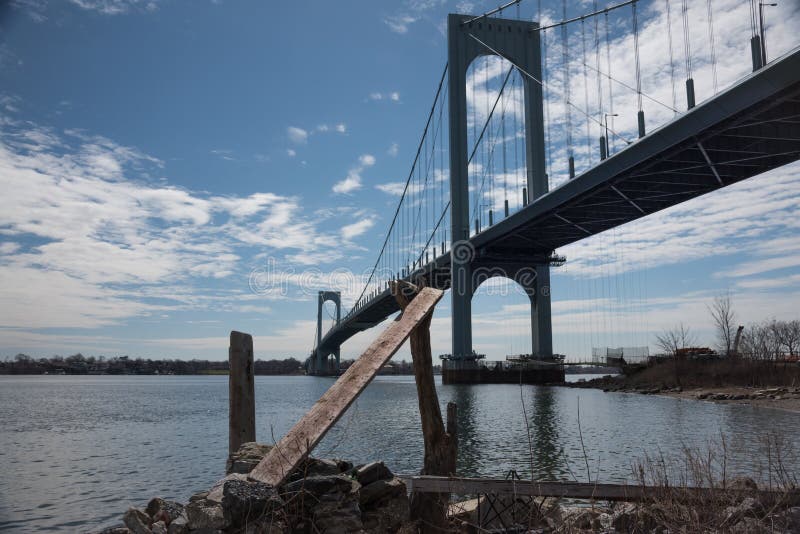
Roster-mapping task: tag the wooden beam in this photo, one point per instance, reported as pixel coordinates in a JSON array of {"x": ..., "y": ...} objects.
[
  {"x": 307, "y": 433},
  {"x": 440, "y": 446},
  {"x": 572, "y": 490}
]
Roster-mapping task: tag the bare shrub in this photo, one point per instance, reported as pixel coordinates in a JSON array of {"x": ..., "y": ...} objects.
[{"x": 678, "y": 507}]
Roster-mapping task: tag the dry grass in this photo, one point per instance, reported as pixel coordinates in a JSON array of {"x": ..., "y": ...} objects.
[
  {"x": 718, "y": 373},
  {"x": 731, "y": 499}
]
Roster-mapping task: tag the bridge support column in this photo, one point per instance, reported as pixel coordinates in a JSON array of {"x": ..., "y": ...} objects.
[
  {"x": 319, "y": 361},
  {"x": 467, "y": 39},
  {"x": 541, "y": 321}
]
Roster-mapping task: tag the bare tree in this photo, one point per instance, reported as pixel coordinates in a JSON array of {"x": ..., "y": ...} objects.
[
  {"x": 724, "y": 321},
  {"x": 788, "y": 334},
  {"x": 671, "y": 341},
  {"x": 762, "y": 341},
  {"x": 678, "y": 337}
]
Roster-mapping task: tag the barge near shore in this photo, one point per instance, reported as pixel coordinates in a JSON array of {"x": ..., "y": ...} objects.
[{"x": 520, "y": 369}]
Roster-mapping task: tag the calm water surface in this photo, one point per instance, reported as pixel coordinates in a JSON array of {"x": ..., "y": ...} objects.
[{"x": 77, "y": 451}]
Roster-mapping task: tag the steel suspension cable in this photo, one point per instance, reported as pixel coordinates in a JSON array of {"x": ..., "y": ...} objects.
[
  {"x": 535, "y": 79},
  {"x": 711, "y": 43},
  {"x": 610, "y": 87},
  {"x": 408, "y": 181},
  {"x": 671, "y": 59},
  {"x": 566, "y": 85},
  {"x": 636, "y": 55},
  {"x": 586, "y": 93},
  {"x": 597, "y": 65},
  {"x": 687, "y": 44}
]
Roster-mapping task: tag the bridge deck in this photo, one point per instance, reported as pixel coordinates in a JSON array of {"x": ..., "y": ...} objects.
[{"x": 748, "y": 129}]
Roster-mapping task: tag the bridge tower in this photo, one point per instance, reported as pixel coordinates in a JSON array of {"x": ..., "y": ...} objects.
[
  {"x": 518, "y": 41},
  {"x": 319, "y": 364}
]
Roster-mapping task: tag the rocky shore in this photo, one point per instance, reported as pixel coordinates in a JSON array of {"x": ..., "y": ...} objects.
[
  {"x": 334, "y": 496},
  {"x": 784, "y": 398}
]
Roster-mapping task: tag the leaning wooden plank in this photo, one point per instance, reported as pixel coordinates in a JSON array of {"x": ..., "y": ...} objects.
[
  {"x": 574, "y": 490},
  {"x": 306, "y": 433}
]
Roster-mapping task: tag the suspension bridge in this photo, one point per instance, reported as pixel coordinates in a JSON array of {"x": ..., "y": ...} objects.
[{"x": 492, "y": 192}]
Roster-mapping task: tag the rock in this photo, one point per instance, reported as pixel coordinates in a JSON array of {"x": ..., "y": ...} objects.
[
  {"x": 632, "y": 518},
  {"x": 319, "y": 485},
  {"x": 162, "y": 510},
  {"x": 388, "y": 517},
  {"x": 200, "y": 496},
  {"x": 244, "y": 502},
  {"x": 114, "y": 530},
  {"x": 246, "y": 458},
  {"x": 206, "y": 515},
  {"x": 380, "y": 491},
  {"x": 747, "y": 508},
  {"x": 314, "y": 467},
  {"x": 583, "y": 519},
  {"x": 137, "y": 521},
  {"x": 338, "y": 513},
  {"x": 179, "y": 525},
  {"x": 372, "y": 472},
  {"x": 748, "y": 525},
  {"x": 344, "y": 466},
  {"x": 703, "y": 395},
  {"x": 743, "y": 484},
  {"x": 789, "y": 519},
  {"x": 159, "y": 527}
]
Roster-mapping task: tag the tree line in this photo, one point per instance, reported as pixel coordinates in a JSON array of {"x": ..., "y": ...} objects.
[
  {"x": 770, "y": 340},
  {"x": 78, "y": 364}
]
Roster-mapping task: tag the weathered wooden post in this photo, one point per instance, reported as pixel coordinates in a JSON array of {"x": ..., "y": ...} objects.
[
  {"x": 440, "y": 443},
  {"x": 241, "y": 392}
]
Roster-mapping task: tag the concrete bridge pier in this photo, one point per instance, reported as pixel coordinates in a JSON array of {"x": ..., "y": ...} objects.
[
  {"x": 469, "y": 38},
  {"x": 320, "y": 363}
]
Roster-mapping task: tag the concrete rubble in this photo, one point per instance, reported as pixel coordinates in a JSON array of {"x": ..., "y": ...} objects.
[{"x": 334, "y": 496}]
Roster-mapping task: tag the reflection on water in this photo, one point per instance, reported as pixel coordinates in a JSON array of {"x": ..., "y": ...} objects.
[
  {"x": 547, "y": 452},
  {"x": 468, "y": 445},
  {"x": 77, "y": 451}
]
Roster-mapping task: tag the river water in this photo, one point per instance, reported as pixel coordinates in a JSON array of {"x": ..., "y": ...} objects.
[{"x": 76, "y": 451}]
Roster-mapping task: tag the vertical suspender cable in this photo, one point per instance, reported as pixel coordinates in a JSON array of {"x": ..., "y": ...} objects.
[
  {"x": 489, "y": 143},
  {"x": 711, "y": 43},
  {"x": 671, "y": 59},
  {"x": 516, "y": 137},
  {"x": 609, "y": 143},
  {"x": 545, "y": 97},
  {"x": 567, "y": 109},
  {"x": 546, "y": 93},
  {"x": 505, "y": 167},
  {"x": 640, "y": 115},
  {"x": 599, "y": 79},
  {"x": 687, "y": 48},
  {"x": 586, "y": 94}
]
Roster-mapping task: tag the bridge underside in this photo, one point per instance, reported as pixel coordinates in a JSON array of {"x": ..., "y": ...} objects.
[{"x": 744, "y": 131}]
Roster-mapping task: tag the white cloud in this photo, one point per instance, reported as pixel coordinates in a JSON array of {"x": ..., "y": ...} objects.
[
  {"x": 392, "y": 96},
  {"x": 356, "y": 229},
  {"x": 393, "y": 150},
  {"x": 399, "y": 23},
  {"x": 107, "y": 247},
  {"x": 291, "y": 152},
  {"x": 341, "y": 128},
  {"x": 391, "y": 188},
  {"x": 116, "y": 7},
  {"x": 9, "y": 248},
  {"x": 352, "y": 181},
  {"x": 297, "y": 135}
]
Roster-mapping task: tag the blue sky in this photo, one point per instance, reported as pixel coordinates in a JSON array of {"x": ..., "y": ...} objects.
[{"x": 154, "y": 155}]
